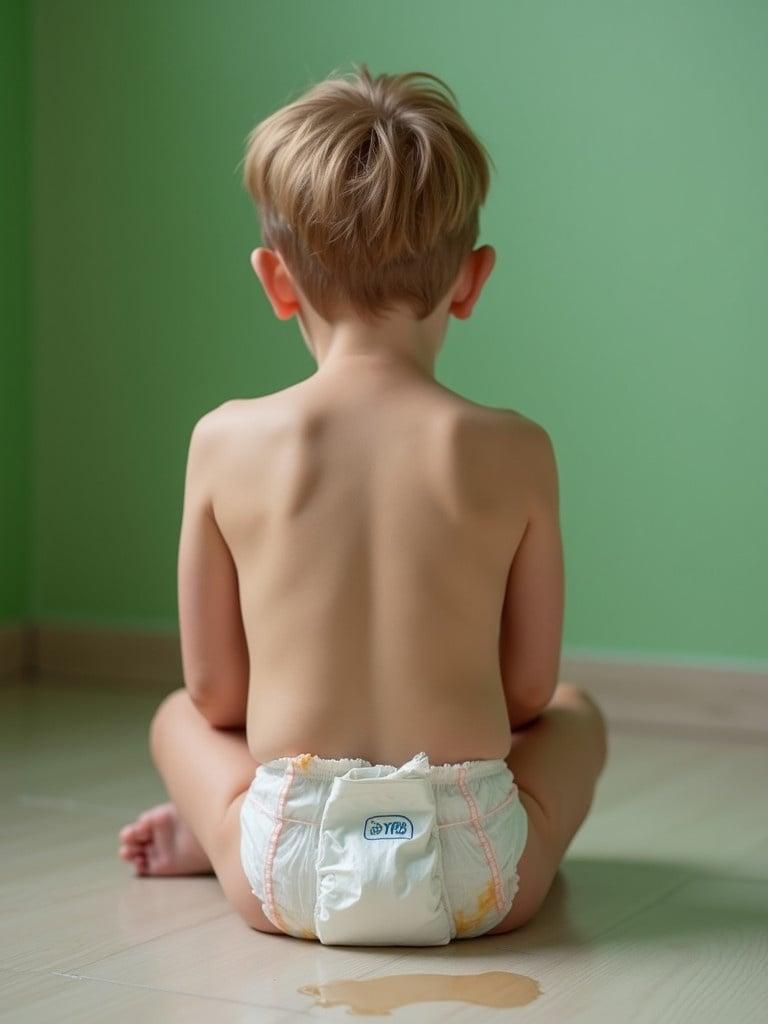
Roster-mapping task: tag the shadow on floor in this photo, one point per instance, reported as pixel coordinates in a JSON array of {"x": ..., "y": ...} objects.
[{"x": 595, "y": 903}]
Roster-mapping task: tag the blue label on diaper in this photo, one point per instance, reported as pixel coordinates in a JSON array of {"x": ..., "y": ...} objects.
[{"x": 388, "y": 826}]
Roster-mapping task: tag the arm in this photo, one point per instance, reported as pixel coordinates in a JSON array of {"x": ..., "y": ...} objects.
[
  {"x": 532, "y": 616},
  {"x": 213, "y": 646}
]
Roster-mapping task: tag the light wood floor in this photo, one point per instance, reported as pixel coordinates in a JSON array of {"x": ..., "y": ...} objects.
[{"x": 659, "y": 914}]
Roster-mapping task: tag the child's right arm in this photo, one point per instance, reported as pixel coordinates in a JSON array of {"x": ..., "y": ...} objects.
[{"x": 532, "y": 616}]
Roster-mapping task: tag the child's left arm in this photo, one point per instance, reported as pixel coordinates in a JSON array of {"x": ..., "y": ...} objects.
[{"x": 214, "y": 652}]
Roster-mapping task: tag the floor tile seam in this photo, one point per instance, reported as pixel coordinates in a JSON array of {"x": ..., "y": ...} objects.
[
  {"x": 154, "y": 938},
  {"x": 182, "y": 992}
]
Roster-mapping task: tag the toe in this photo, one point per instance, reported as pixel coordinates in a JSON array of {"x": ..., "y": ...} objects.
[
  {"x": 138, "y": 831},
  {"x": 163, "y": 814},
  {"x": 130, "y": 850},
  {"x": 142, "y": 830}
]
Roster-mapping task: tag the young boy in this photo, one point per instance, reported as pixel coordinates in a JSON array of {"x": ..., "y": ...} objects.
[{"x": 370, "y": 570}]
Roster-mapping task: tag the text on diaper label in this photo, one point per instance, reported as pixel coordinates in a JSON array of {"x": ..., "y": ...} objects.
[{"x": 388, "y": 826}]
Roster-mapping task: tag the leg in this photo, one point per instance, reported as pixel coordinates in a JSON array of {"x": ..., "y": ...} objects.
[
  {"x": 556, "y": 761},
  {"x": 207, "y": 772}
]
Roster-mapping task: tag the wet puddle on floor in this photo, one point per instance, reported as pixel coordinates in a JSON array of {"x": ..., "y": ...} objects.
[{"x": 379, "y": 996}]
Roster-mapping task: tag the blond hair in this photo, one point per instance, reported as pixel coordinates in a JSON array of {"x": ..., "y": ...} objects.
[{"x": 370, "y": 189}]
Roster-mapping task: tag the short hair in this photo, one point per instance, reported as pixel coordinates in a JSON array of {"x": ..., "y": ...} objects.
[{"x": 370, "y": 190}]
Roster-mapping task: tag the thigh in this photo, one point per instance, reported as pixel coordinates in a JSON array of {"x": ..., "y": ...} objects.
[
  {"x": 204, "y": 768},
  {"x": 556, "y": 761},
  {"x": 207, "y": 771}
]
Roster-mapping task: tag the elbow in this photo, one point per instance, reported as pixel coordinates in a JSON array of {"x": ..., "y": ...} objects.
[
  {"x": 527, "y": 704},
  {"x": 538, "y": 699},
  {"x": 197, "y": 689},
  {"x": 520, "y": 717},
  {"x": 218, "y": 712}
]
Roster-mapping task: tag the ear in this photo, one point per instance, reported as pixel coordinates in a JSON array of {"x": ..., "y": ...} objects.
[
  {"x": 474, "y": 274},
  {"x": 276, "y": 281}
]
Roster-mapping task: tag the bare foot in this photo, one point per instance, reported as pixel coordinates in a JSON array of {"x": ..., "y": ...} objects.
[{"x": 160, "y": 843}]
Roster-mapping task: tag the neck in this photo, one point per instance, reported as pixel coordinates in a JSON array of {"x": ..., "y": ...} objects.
[
  {"x": 406, "y": 347},
  {"x": 384, "y": 360}
]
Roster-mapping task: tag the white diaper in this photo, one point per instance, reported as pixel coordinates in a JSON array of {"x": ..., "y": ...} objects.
[{"x": 357, "y": 854}]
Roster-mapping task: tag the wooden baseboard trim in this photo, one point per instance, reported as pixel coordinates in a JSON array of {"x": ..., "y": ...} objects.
[
  {"x": 135, "y": 656},
  {"x": 17, "y": 650},
  {"x": 667, "y": 695}
]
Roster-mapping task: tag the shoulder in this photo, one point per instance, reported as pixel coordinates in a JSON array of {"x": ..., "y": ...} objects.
[
  {"x": 216, "y": 419},
  {"x": 206, "y": 431},
  {"x": 517, "y": 436},
  {"x": 521, "y": 427},
  {"x": 529, "y": 437},
  {"x": 537, "y": 452},
  {"x": 508, "y": 428},
  {"x": 516, "y": 449},
  {"x": 212, "y": 433},
  {"x": 216, "y": 425},
  {"x": 528, "y": 455},
  {"x": 235, "y": 434}
]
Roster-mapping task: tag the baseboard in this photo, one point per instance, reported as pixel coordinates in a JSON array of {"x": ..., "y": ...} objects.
[
  {"x": 136, "y": 656},
  {"x": 661, "y": 695},
  {"x": 674, "y": 695},
  {"x": 17, "y": 650}
]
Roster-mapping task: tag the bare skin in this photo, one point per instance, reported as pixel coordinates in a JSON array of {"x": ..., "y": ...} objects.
[{"x": 373, "y": 517}]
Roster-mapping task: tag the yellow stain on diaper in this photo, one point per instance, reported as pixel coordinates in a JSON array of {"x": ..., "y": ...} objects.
[
  {"x": 302, "y": 761},
  {"x": 305, "y": 933},
  {"x": 486, "y": 901}
]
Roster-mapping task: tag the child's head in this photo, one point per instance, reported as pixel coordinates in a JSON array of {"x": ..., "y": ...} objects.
[{"x": 370, "y": 190}]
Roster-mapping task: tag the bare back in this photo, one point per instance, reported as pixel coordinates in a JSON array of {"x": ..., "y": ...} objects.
[{"x": 372, "y": 524}]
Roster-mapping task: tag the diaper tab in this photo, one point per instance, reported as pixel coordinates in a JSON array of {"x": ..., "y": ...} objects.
[
  {"x": 379, "y": 867},
  {"x": 416, "y": 768}
]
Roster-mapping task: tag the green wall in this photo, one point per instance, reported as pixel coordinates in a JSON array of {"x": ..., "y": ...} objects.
[
  {"x": 15, "y": 423},
  {"x": 626, "y": 312}
]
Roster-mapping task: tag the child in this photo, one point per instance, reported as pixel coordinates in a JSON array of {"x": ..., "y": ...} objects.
[{"x": 370, "y": 569}]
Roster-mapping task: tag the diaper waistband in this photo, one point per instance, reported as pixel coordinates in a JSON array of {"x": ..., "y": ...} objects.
[{"x": 328, "y": 768}]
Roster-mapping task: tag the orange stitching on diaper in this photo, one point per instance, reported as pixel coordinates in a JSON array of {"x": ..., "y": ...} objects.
[
  {"x": 484, "y": 840},
  {"x": 468, "y": 821},
  {"x": 272, "y": 911},
  {"x": 281, "y": 817}
]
